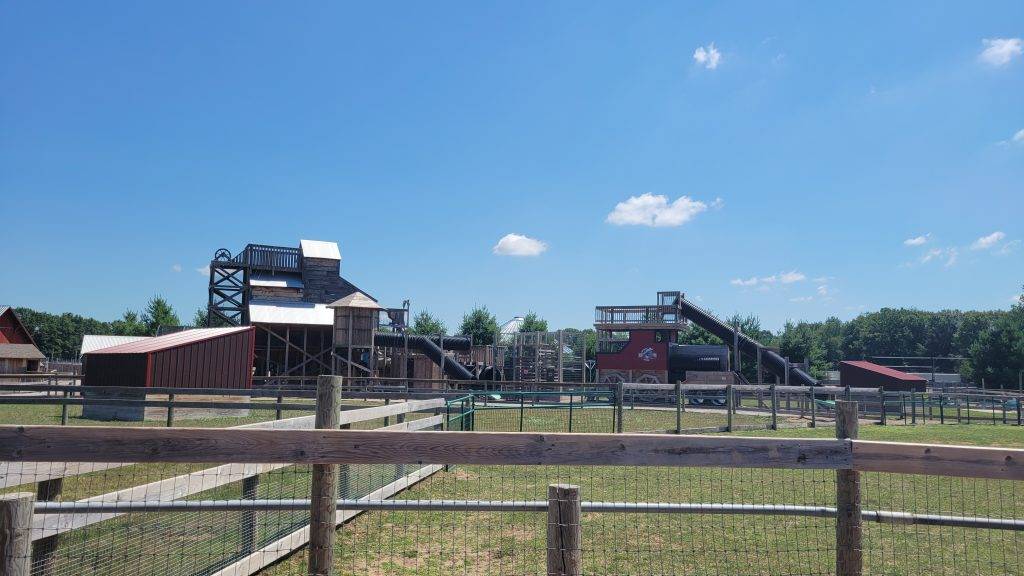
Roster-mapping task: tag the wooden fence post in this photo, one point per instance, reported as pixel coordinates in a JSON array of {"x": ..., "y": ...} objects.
[
  {"x": 250, "y": 491},
  {"x": 43, "y": 548},
  {"x": 849, "y": 559},
  {"x": 15, "y": 533},
  {"x": 728, "y": 407},
  {"x": 564, "y": 534},
  {"x": 618, "y": 406},
  {"x": 814, "y": 407},
  {"x": 881, "y": 406},
  {"x": 170, "y": 410},
  {"x": 775, "y": 407},
  {"x": 63, "y": 410},
  {"x": 679, "y": 407},
  {"x": 324, "y": 492}
]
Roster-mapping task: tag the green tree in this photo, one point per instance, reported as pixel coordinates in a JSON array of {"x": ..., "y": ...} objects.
[
  {"x": 129, "y": 325},
  {"x": 158, "y": 313},
  {"x": 533, "y": 323},
  {"x": 59, "y": 335},
  {"x": 200, "y": 318},
  {"x": 425, "y": 323},
  {"x": 479, "y": 324}
]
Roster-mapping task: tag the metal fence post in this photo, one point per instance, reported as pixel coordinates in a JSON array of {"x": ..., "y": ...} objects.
[
  {"x": 849, "y": 550},
  {"x": 775, "y": 407},
  {"x": 564, "y": 538},
  {"x": 323, "y": 494},
  {"x": 15, "y": 533}
]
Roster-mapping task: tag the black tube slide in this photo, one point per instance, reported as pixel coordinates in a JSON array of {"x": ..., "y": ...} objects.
[
  {"x": 430, "y": 349},
  {"x": 770, "y": 360}
]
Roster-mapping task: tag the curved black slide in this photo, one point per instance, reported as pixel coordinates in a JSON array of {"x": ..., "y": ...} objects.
[
  {"x": 429, "y": 347},
  {"x": 770, "y": 360}
]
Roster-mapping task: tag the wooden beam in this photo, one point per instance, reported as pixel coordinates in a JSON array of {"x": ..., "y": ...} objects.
[
  {"x": 939, "y": 460},
  {"x": 56, "y": 443},
  {"x": 15, "y": 518}
]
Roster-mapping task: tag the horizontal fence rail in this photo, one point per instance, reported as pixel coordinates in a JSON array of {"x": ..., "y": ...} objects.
[{"x": 104, "y": 444}]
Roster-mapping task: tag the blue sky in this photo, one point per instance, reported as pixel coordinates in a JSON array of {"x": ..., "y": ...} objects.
[{"x": 767, "y": 158}]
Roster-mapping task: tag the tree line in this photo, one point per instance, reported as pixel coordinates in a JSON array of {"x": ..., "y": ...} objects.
[{"x": 60, "y": 335}]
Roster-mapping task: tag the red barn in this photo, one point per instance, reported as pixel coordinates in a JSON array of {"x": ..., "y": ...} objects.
[
  {"x": 863, "y": 374},
  {"x": 18, "y": 352}
]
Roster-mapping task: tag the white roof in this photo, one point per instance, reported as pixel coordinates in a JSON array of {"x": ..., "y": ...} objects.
[
  {"x": 93, "y": 342},
  {"x": 512, "y": 326},
  {"x": 320, "y": 249},
  {"x": 279, "y": 280},
  {"x": 288, "y": 312}
]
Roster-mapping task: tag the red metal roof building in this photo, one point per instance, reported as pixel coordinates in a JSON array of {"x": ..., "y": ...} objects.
[
  {"x": 863, "y": 374},
  {"x": 18, "y": 352},
  {"x": 199, "y": 358}
]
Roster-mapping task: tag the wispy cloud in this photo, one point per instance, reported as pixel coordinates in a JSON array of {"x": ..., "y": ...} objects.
[
  {"x": 802, "y": 299},
  {"x": 707, "y": 56},
  {"x": 519, "y": 245},
  {"x": 175, "y": 267},
  {"x": 204, "y": 270},
  {"x": 1000, "y": 51},
  {"x": 655, "y": 211},
  {"x": 765, "y": 281},
  {"x": 1018, "y": 136},
  {"x": 990, "y": 241},
  {"x": 917, "y": 240}
]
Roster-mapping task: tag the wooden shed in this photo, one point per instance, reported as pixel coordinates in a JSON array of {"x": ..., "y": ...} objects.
[
  {"x": 863, "y": 374},
  {"x": 355, "y": 322},
  {"x": 199, "y": 358},
  {"x": 18, "y": 351}
]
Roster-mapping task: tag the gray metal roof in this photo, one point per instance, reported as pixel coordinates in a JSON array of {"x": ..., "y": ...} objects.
[
  {"x": 20, "y": 351},
  {"x": 290, "y": 312},
  {"x": 320, "y": 249},
  {"x": 279, "y": 280},
  {"x": 93, "y": 342}
]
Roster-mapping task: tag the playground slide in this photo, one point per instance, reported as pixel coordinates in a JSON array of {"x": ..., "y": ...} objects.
[
  {"x": 430, "y": 348},
  {"x": 770, "y": 360}
]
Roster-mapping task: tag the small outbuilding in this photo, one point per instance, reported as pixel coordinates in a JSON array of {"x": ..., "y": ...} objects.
[
  {"x": 199, "y": 358},
  {"x": 18, "y": 351},
  {"x": 863, "y": 374}
]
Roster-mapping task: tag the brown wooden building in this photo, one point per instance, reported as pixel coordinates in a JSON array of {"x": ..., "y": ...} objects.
[
  {"x": 18, "y": 352},
  {"x": 863, "y": 374}
]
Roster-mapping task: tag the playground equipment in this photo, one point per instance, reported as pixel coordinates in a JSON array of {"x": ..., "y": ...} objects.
[{"x": 637, "y": 344}]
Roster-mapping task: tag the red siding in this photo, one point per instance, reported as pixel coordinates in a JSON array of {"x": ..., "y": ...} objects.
[
  {"x": 11, "y": 329},
  {"x": 223, "y": 361},
  {"x": 632, "y": 358}
]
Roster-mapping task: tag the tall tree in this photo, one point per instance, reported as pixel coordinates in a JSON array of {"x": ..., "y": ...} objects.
[
  {"x": 533, "y": 323},
  {"x": 426, "y": 323},
  {"x": 159, "y": 313},
  {"x": 200, "y": 318},
  {"x": 479, "y": 324},
  {"x": 129, "y": 325}
]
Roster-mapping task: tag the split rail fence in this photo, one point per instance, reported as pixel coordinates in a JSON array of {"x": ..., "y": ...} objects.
[{"x": 779, "y": 506}]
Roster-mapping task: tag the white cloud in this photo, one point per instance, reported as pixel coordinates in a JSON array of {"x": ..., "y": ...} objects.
[
  {"x": 986, "y": 242},
  {"x": 204, "y": 270},
  {"x": 917, "y": 240},
  {"x": 999, "y": 51},
  {"x": 519, "y": 245},
  {"x": 176, "y": 268},
  {"x": 951, "y": 256},
  {"x": 708, "y": 56},
  {"x": 1008, "y": 247},
  {"x": 931, "y": 255},
  {"x": 791, "y": 276},
  {"x": 1019, "y": 136},
  {"x": 753, "y": 281},
  {"x": 802, "y": 299},
  {"x": 823, "y": 290},
  {"x": 764, "y": 282},
  {"x": 650, "y": 210},
  {"x": 718, "y": 203}
]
